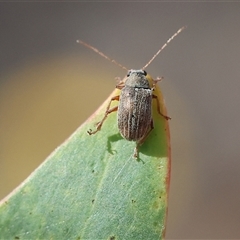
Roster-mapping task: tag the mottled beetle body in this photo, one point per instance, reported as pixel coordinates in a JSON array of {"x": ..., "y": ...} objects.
[
  {"x": 135, "y": 101},
  {"x": 135, "y": 106}
]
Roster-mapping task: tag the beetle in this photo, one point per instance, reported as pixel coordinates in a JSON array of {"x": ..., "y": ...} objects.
[{"x": 134, "y": 111}]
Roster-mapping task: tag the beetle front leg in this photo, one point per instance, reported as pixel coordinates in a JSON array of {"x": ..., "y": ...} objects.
[
  {"x": 99, "y": 124},
  {"x": 158, "y": 108}
]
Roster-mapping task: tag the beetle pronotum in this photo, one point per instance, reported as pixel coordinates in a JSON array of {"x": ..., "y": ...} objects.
[{"x": 135, "y": 101}]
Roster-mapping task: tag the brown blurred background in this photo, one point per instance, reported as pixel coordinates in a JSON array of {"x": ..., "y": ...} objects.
[{"x": 49, "y": 85}]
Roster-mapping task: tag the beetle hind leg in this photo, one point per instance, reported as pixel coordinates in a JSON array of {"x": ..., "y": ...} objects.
[{"x": 142, "y": 140}]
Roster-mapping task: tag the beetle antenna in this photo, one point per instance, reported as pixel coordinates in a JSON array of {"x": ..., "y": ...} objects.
[
  {"x": 102, "y": 54},
  {"x": 168, "y": 41}
]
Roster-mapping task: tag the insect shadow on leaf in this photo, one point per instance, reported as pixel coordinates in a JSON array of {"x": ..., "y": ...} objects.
[{"x": 111, "y": 139}]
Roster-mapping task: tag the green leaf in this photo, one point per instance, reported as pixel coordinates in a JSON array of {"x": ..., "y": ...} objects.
[{"x": 91, "y": 187}]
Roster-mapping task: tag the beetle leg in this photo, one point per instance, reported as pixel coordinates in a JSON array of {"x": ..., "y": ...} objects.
[
  {"x": 141, "y": 141},
  {"x": 99, "y": 125},
  {"x": 156, "y": 81},
  {"x": 121, "y": 83},
  {"x": 158, "y": 108},
  {"x": 136, "y": 152}
]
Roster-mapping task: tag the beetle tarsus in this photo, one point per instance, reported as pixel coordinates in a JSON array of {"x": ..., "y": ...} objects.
[
  {"x": 136, "y": 153},
  {"x": 166, "y": 117},
  {"x": 89, "y": 132}
]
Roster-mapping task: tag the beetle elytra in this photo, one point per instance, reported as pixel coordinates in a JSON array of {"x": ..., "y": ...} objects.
[{"x": 134, "y": 111}]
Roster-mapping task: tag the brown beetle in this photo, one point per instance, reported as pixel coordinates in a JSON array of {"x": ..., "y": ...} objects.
[{"x": 135, "y": 102}]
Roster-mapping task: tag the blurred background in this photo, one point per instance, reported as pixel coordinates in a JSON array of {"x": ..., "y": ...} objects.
[{"x": 49, "y": 85}]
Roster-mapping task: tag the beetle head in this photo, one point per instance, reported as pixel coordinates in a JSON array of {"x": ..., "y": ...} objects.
[{"x": 137, "y": 79}]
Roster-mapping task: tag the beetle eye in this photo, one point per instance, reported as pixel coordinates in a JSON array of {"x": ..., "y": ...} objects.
[{"x": 129, "y": 72}]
